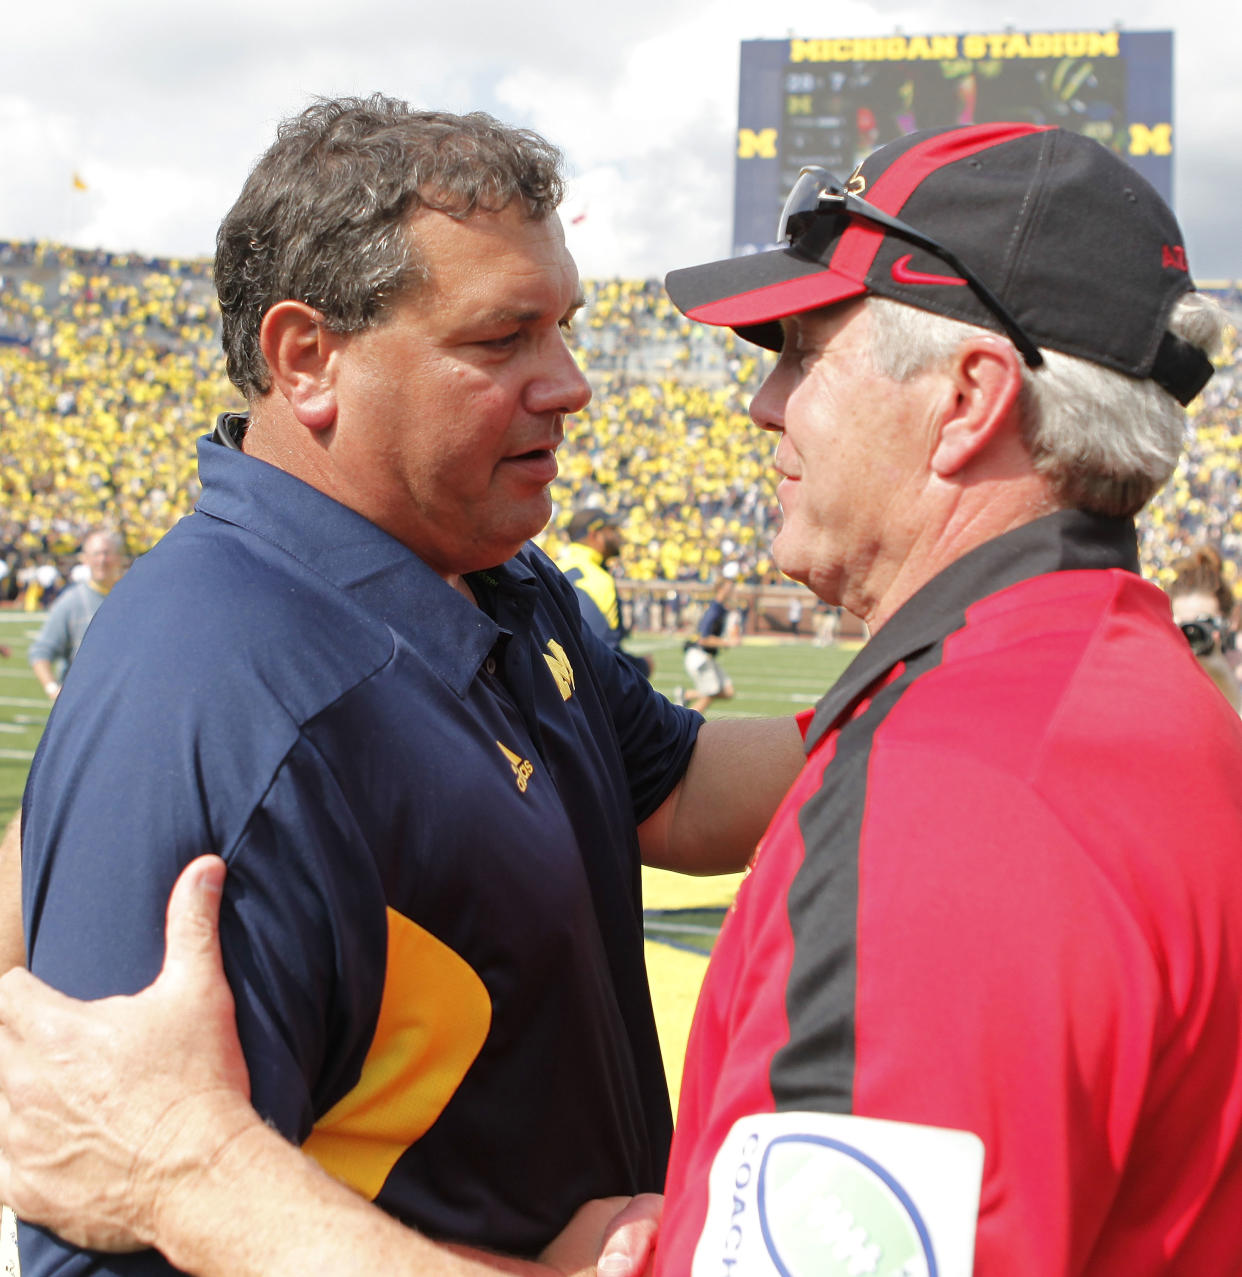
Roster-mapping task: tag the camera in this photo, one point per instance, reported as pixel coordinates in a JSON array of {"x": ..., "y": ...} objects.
[{"x": 1202, "y": 633}]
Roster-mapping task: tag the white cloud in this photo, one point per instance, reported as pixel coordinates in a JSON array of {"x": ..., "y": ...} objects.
[{"x": 128, "y": 206}]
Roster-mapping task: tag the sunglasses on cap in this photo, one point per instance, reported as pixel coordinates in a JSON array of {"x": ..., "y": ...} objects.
[{"x": 817, "y": 192}]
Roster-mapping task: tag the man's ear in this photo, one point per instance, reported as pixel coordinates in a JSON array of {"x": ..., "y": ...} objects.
[
  {"x": 301, "y": 356},
  {"x": 985, "y": 379}
]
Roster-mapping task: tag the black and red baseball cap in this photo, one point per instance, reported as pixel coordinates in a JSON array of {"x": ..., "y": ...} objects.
[{"x": 1036, "y": 231}]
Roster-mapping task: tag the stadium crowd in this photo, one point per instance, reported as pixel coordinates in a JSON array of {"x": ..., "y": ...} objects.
[{"x": 110, "y": 367}]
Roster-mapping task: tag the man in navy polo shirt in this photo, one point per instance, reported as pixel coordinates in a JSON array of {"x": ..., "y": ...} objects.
[{"x": 350, "y": 675}]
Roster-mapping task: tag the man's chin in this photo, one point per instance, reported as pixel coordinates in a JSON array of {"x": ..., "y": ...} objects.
[
  {"x": 506, "y": 542},
  {"x": 789, "y": 562}
]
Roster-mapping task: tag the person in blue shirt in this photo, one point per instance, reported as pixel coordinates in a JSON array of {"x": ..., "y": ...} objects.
[
  {"x": 351, "y": 676},
  {"x": 713, "y": 634}
]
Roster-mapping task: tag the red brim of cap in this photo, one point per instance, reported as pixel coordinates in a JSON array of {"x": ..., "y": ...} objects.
[{"x": 754, "y": 291}]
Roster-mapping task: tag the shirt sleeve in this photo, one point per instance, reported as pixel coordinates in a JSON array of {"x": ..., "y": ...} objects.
[
  {"x": 655, "y": 736},
  {"x": 305, "y": 967}
]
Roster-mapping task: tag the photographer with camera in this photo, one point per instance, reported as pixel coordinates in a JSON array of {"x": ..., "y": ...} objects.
[{"x": 1203, "y": 607}]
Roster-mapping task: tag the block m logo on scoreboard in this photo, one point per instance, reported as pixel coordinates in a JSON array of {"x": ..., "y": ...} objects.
[{"x": 752, "y": 144}]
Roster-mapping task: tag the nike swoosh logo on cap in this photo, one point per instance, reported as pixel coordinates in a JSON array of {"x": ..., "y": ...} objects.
[{"x": 902, "y": 274}]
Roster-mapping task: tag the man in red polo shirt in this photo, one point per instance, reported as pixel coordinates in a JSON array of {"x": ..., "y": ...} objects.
[{"x": 978, "y": 1004}]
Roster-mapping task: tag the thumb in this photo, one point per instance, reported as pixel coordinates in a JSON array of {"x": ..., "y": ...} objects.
[
  {"x": 192, "y": 929},
  {"x": 629, "y": 1240}
]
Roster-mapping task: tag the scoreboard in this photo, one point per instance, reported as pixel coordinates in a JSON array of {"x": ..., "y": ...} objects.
[{"x": 832, "y": 101}]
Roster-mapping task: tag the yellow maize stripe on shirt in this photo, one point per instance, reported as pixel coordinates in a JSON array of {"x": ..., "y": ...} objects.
[{"x": 433, "y": 1020}]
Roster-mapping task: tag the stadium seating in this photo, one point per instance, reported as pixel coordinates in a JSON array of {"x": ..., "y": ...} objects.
[{"x": 110, "y": 367}]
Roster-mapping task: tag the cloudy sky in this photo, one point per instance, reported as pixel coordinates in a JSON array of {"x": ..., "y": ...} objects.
[{"x": 161, "y": 107}]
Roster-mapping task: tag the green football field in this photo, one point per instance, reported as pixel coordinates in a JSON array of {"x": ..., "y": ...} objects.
[
  {"x": 23, "y": 707},
  {"x": 771, "y": 677}
]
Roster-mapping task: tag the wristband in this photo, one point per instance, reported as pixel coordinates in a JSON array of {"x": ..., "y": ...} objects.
[{"x": 51, "y": 687}]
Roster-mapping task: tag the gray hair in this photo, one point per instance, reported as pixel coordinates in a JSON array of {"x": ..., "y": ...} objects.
[
  {"x": 323, "y": 217},
  {"x": 1106, "y": 441}
]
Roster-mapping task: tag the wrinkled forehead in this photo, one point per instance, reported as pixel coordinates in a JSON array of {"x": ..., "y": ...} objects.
[{"x": 499, "y": 257}]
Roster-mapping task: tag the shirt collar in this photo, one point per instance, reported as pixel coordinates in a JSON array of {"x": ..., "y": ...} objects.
[
  {"x": 379, "y": 573},
  {"x": 1066, "y": 541}
]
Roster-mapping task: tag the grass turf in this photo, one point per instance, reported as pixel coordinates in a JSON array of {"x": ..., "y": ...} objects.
[{"x": 23, "y": 707}]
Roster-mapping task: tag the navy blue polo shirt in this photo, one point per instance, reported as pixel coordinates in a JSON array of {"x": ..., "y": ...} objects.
[{"x": 432, "y": 917}]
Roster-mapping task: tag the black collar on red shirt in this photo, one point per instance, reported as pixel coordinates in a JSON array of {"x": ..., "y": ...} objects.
[{"x": 1070, "y": 540}]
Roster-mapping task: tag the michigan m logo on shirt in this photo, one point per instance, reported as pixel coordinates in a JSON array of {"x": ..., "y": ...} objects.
[{"x": 561, "y": 669}]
